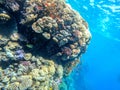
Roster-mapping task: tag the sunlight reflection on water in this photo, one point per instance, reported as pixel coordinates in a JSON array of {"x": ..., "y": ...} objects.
[{"x": 102, "y": 16}]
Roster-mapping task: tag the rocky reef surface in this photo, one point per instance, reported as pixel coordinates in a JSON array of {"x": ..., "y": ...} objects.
[{"x": 41, "y": 41}]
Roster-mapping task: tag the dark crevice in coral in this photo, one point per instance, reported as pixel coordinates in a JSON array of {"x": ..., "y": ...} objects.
[
  {"x": 5, "y": 64},
  {"x": 7, "y": 28}
]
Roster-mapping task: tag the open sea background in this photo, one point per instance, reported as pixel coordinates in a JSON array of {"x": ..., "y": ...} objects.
[{"x": 100, "y": 68}]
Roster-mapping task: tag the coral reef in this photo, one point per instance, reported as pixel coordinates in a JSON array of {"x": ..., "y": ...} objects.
[{"x": 43, "y": 45}]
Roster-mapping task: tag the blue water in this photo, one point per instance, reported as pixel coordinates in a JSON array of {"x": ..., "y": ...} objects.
[{"x": 100, "y": 69}]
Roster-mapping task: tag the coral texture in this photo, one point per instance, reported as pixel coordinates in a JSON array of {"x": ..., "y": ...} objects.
[{"x": 41, "y": 41}]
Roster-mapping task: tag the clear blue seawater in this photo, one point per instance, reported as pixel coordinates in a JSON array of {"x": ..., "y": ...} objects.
[{"x": 100, "y": 68}]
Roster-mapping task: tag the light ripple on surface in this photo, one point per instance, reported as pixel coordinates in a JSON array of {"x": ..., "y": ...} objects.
[{"x": 102, "y": 16}]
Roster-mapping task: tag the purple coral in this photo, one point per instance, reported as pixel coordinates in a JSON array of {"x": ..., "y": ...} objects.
[
  {"x": 25, "y": 63},
  {"x": 67, "y": 51},
  {"x": 19, "y": 54},
  {"x": 77, "y": 34}
]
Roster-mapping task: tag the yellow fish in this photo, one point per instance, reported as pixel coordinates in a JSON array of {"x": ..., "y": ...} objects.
[{"x": 29, "y": 45}]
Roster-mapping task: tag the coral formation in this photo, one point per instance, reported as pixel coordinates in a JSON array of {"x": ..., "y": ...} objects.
[
  {"x": 4, "y": 16},
  {"x": 45, "y": 44}
]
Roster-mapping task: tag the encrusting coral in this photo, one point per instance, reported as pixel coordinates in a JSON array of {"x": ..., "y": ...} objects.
[{"x": 45, "y": 44}]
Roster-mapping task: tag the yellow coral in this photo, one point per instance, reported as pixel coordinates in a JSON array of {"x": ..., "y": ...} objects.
[
  {"x": 13, "y": 86},
  {"x": 50, "y": 88},
  {"x": 4, "y": 16},
  {"x": 51, "y": 69},
  {"x": 25, "y": 82},
  {"x": 15, "y": 36},
  {"x": 12, "y": 45},
  {"x": 34, "y": 73},
  {"x": 45, "y": 69},
  {"x": 28, "y": 56}
]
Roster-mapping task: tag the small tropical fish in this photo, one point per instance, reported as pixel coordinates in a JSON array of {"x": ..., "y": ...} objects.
[{"x": 29, "y": 45}]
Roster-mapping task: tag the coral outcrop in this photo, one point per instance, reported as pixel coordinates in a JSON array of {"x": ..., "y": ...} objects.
[{"x": 41, "y": 41}]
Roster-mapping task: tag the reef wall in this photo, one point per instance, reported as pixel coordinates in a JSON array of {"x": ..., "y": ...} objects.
[{"x": 41, "y": 41}]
